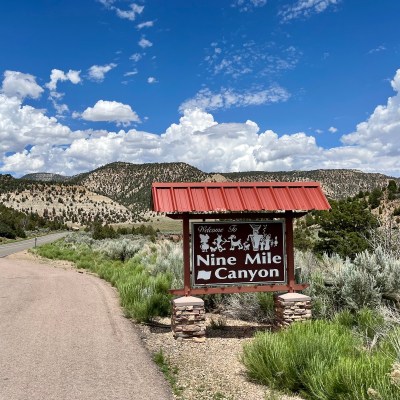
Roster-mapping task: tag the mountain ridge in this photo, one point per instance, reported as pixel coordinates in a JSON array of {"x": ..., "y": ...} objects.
[{"x": 128, "y": 186}]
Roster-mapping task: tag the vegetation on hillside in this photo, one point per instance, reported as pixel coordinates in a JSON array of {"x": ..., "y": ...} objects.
[
  {"x": 127, "y": 189},
  {"x": 142, "y": 271},
  {"x": 346, "y": 229},
  {"x": 15, "y": 224}
]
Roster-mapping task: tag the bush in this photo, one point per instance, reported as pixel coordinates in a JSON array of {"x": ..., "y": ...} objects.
[
  {"x": 336, "y": 284},
  {"x": 6, "y": 231},
  {"x": 119, "y": 249},
  {"x": 250, "y": 306},
  {"x": 323, "y": 361}
]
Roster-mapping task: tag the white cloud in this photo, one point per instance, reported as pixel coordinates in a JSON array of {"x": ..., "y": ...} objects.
[
  {"x": 135, "y": 9},
  {"x": 250, "y": 59},
  {"x": 98, "y": 72},
  {"x": 107, "y": 3},
  {"x": 305, "y": 8},
  {"x": 196, "y": 139},
  {"x": 131, "y": 73},
  {"x": 143, "y": 43},
  {"x": 147, "y": 24},
  {"x": 20, "y": 85},
  {"x": 111, "y": 111},
  {"x": 227, "y": 98},
  {"x": 332, "y": 129},
  {"x": 58, "y": 75},
  {"x": 381, "y": 132},
  {"x": 248, "y": 5},
  {"x": 24, "y": 125},
  {"x": 136, "y": 57},
  {"x": 151, "y": 79},
  {"x": 377, "y": 49}
]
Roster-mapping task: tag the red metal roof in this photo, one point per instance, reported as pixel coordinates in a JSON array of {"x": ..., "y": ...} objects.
[{"x": 209, "y": 197}]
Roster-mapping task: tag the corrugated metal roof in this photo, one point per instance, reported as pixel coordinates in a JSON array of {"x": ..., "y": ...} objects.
[{"x": 209, "y": 197}]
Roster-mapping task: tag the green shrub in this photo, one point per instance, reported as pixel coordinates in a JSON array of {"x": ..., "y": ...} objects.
[
  {"x": 249, "y": 306},
  {"x": 336, "y": 284},
  {"x": 281, "y": 359},
  {"x": 323, "y": 361}
]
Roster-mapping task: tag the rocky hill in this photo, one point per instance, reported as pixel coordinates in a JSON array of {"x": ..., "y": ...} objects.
[
  {"x": 336, "y": 183},
  {"x": 130, "y": 184},
  {"x": 70, "y": 204},
  {"x": 120, "y": 192},
  {"x": 45, "y": 177}
]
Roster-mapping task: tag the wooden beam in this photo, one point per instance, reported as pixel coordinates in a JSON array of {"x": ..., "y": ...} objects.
[
  {"x": 238, "y": 289},
  {"x": 290, "y": 254},
  {"x": 238, "y": 215},
  {"x": 186, "y": 256}
]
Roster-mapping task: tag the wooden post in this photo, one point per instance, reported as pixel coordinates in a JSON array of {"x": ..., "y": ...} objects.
[
  {"x": 186, "y": 255},
  {"x": 290, "y": 254}
]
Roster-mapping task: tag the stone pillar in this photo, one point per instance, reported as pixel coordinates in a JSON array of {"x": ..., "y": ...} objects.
[
  {"x": 188, "y": 318},
  {"x": 291, "y": 307}
]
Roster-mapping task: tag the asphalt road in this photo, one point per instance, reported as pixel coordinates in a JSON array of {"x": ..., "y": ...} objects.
[
  {"x": 10, "y": 248},
  {"x": 63, "y": 337}
]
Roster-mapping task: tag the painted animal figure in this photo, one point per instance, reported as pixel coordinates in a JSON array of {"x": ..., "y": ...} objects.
[
  {"x": 204, "y": 242},
  {"x": 218, "y": 242},
  {"x": 235, "y": 243}
]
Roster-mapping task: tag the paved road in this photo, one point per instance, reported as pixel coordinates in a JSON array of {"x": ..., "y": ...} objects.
[
  {"x": 63, "y": 337},
  {"x": 7, "y": 249}
]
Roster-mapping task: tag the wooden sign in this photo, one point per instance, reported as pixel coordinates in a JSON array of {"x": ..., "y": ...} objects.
[{"x": 236, "y": 253}]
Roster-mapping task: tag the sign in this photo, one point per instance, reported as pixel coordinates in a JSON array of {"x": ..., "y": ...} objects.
[{"x": 235, "y": 253}]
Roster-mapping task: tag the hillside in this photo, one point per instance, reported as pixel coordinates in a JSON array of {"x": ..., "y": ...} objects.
[
  {"x": 130, "y": 184},
  {"x": 121, "y": 192},
  {"x": 70, "y": 204},
  {"x": 45, "y": 177},
  {"x": 336, "y": 183}
]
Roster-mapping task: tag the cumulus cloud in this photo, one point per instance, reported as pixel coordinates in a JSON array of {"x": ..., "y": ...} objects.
[
  {"x": 20, "y": 85},
  {"x": 196, "y": 139},
  {"x": 111, "y": 111},
  {"x": 98, "y": 72},
  {"x": 58, "y": 75},
  {"x": 332, "y": 129},
  {"x": 381, "y": 132},
  {"x": 205, "y": 99},
  {"x": 151, "y": 79},
  {"x": 143, "y": 43},
  {"x": 305, "y": 8},
  {"x": 22, "y": 125}
]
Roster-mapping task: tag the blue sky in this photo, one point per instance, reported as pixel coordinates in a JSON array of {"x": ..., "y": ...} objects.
[{"x": 228, "y": 85}]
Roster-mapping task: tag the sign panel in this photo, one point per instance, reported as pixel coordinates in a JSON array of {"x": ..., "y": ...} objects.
[{"x": 234, "y": 253}]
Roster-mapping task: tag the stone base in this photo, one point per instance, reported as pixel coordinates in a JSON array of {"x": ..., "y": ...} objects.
[
  {"x": 188, "y": 318},
  {"x": 292, "y": 307}
]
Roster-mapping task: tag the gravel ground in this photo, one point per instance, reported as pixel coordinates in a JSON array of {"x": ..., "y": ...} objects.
[{"x": 210, "y": 370}]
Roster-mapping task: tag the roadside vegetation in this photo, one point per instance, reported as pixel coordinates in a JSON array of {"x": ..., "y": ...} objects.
[
  {"x": 350, "y": 257},
  {"x": 142, "y": 271},
  {"x": 15, "y": 224}
]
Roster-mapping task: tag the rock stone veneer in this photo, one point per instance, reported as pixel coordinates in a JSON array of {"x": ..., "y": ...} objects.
[
  {"x": 188, "y": 318},
  {"x": 292, "y": 307}
]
